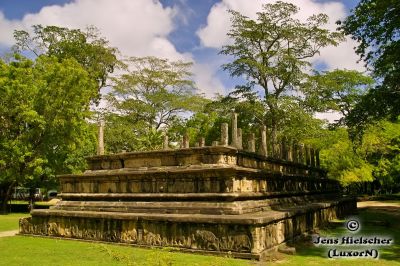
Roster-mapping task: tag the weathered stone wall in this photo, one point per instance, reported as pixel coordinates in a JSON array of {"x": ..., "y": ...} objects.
[
  {"x": 200, "y": 156},
  {"x": 193, "y": 180}
]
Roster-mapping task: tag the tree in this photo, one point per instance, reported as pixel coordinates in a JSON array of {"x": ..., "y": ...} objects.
[
  {"x": 87, "y": 47},
  {"x": 337, "y": 90},
  {"x": 148, "y": 100},
  {"x": 380, "y": 145},
  {"x": 339, "y": 157},
  {"x": 375, "y": 25},
  {"x": 207, "y": 121},
  {"x": 43, "y": 107},
  {"x": 273, "y": 53}
]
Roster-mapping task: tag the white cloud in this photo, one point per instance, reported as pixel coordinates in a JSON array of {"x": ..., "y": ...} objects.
[
  {"x": 341, "y": 56},
  {"x": 6, "y": 30},
  {"x": 207, "y": 81},
  {"x": 213, "y": 34},
  {"x": 137, "y": 27},
  {"x": 331, "y": 117},
  {"x": 218, "y": 21}
]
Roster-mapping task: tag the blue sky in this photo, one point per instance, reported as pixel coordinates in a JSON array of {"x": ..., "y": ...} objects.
[{"x": 191, "y": 30}]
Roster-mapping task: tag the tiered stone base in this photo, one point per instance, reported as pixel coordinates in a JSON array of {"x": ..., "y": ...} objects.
[
  {"x": 217, "y": 200},
  {"x": 244, "y": 236}
]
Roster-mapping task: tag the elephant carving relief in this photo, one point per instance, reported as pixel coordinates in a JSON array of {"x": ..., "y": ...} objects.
[
  {"x": 241, "y": 243},
  {"x": 206, "y": 240}
]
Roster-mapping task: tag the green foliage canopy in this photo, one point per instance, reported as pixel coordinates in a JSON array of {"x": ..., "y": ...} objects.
[
  {"x": 87, "y": 47},
  {"x": 272, "y": 53},
  {"x": 338, "y": 90},
  {"x": 148, "y": 100},
  {"x": 43, "y": 107},
  {"x": 375, "y": 25}
]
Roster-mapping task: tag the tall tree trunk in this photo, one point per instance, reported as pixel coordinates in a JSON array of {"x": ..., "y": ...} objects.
[{"x": 6, "y": 197}]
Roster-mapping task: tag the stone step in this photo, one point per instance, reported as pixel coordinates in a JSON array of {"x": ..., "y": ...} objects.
[
  {"x": 191, "y": 207},
  {"x": 255, "y": 218},
  {"x": 190, "y": 196}
]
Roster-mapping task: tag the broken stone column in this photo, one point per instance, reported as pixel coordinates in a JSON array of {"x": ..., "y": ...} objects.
[
  {"x": 295, "y": 153},
  {"x": 224, "y": 134},
  {"x": 234, "y": 131},
  {"x": 263, "y": 147},
  {"x": 185, "y": 141},
  {"x": 239, "y": 139},
  {"x": 276, "y": 150},
  {"x": 312, "y": 155},
  {"x": 317, "y": 158},
  {"x": 100, "y": 144},
  {"x": 165, "y": 142},
  {"x": 301, "y": 153},
  {"x": 283, "y": 150},
  {"x": 202, "y": 142},
  {"x": 214, "y": 143},
  {"x": 181, "y": 142},
  {"x": 307, "y": 155},
  {"x": 290, "y": 152},
  {"x": 251, "y": 144}
]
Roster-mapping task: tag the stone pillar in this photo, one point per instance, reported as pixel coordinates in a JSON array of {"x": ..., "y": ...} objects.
[
  {"x": 181, "y": 143},
  {"x": 214, "y": 143},
  {"x": 251, "y": 144},
  {"x": 100, "y": 144},
  {"x": 185, "y": 141},
  {"x": 239, "y": 139},
  {"x": 234, "y": 131},
  {"x": 224, "y": 134},
  {"x": 312, "y": 155},
  {"x": 202, "y": 142},
  {"x": 283, "y": 150},
  {"x": 295, "y": 154},
  {"x": 290, "y": 152},
  {"x": 263, "y": 146},
  {"x": 308, "y": 155},
  {"x": 317, "y": 158},
  {"x": 301, "y": 153},
  {"x": 165, "y": 142},
  {"x": 276, "y": 150}
]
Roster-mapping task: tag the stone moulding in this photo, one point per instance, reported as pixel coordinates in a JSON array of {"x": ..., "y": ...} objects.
[{"x": 215, "y": 200}]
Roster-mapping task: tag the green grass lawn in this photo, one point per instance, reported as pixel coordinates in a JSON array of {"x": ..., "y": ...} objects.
[
  {"x": 11, "y": 221},
  {"x": 25, "y": 202},
  {"x": 21, "y": 250}
]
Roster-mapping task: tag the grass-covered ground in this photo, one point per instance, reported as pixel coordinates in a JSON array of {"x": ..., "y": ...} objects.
[
  {"x": 375, "y": 221},
  {"x": 10, "y": 221}
]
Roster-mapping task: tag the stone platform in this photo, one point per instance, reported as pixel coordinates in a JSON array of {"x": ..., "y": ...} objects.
[{"x": 215, "y": 199}]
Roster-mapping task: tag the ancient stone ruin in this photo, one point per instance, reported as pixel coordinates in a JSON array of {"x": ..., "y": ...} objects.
[{"x": 215, "y": 199}]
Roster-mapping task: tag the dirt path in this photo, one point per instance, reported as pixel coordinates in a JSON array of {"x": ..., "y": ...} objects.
[
  {"x": 384, "y": 207},
  {"x": 367, "y": 204},
  {"x": 8, "y": 233}
]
